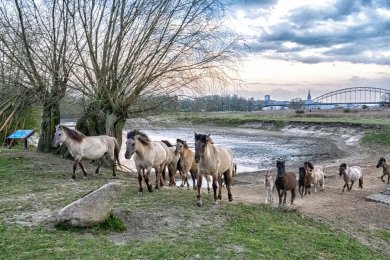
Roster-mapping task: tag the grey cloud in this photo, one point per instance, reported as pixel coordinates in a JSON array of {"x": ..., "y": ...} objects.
[{"x": 302, "y": 29}]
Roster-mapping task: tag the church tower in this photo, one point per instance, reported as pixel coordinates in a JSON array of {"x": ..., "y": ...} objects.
[{"x": 309, "y": 97}]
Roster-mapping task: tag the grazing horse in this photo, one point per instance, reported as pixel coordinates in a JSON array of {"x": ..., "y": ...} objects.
[
  {"x": 284, "y": 181},
  {"x": 147, "y": 155},
  {"x": 269, "y": 188},
  {"x": 216, "y": 161},
  {"x": 317, "y": 175},
  {"x": 81, "y": 147},
  {"x": 386, "y": 169},
  {"x": 351, "y": 174}
]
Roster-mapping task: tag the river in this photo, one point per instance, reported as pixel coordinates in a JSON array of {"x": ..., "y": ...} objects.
[{"x": 255, "y": 150}]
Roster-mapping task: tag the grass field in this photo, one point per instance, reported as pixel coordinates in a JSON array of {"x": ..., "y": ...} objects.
[
  {"x": 163, "y": 225},
  {"x": 359, "y": 117}
]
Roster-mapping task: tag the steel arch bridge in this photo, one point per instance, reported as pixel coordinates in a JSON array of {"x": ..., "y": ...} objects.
[{"x": 357, "y": 95}]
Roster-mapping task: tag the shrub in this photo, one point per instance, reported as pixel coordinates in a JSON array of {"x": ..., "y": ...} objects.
[{"x": 299, "y": 111}]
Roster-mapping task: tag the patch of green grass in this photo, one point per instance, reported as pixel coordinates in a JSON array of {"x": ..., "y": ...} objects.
[
  {"x": 113, "y": 224},
  {"x": 380, "y": 137},
  {"x": 383, "y": 234},
  {"x": 164, "y": 224}
]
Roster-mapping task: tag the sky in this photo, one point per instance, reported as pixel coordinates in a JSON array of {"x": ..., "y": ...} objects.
[{"x": 299, "y": 45}]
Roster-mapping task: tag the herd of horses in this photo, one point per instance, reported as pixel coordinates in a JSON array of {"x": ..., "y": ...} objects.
[{"x": 208, "y": 160}]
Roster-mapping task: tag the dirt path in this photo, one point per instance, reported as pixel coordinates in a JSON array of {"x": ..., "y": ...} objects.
[{"x": 349, "y": 211}]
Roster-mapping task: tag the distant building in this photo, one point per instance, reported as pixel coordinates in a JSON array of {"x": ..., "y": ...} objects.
[
  {"x": 308, "y": 97},
  {"x": 267, "y": 98}
]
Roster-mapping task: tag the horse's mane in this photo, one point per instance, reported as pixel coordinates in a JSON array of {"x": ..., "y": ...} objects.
[
  {"x": 142, "y": 136},
  {"x": 73, "y": 134},
  {"x": 167, "y": 143},
  {"x": 203, "y": 138},
  {"x": 343, "y": 165},
  {"x": 183, "y": 142},
  {"x": 310, "y": 165},
  {"x": 281, "y": 167}
]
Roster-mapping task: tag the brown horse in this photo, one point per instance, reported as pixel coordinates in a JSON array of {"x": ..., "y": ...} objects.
[
  {"x": 81, "y": 147},
  {"x": 187, "y": 163},
  {"x": 285, "y": 181},
  {"x": 386, "y": 169},
  {"x": 216, "y": 161}
]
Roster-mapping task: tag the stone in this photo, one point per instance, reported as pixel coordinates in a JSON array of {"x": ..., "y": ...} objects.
[{"x": 92, "y": 209}]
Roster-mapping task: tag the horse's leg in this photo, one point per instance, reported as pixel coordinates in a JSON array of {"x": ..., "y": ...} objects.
[
  {"x": 220, "y": 187},
  {"x": 284, "y": 194},
  {"x": 292, "y": 196},
  {"x": 383, "y": 175},
  {"x": 388, "y": 178},
  {"x": 279, "y": 195},
  {"x": 82, "y": 168},
  {"x": 140, "y": 182},
  {"x": 215, "y": 187},
  {"x": 74, "y": 169},
  {"x": 193, "y": 177},
  {"x": 315, "y": 186},
  {"x": 229, "y": 182},
  {"x": 199, "y": 185},
  {"x": 158, "y": 176},
  {"x": 99, "y": 162},
  {"x": 344, "y": 186},
  {"x": 350, "y": 187},
  {"x": 146, "y": 177}
]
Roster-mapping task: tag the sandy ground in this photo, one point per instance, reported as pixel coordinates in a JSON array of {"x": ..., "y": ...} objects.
[{"x": 348, "y": 210}]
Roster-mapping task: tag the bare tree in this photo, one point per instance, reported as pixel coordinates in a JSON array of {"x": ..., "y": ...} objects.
[
  {"x": 130, "y": 50},
  {"x": 34, "y": 37}
]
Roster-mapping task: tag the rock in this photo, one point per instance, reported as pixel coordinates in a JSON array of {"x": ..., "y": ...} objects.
[{"x": 92, "y": 209}]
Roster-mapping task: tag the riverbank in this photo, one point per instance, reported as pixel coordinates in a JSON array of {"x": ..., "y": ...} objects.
[{"x": 37, "y": 185}]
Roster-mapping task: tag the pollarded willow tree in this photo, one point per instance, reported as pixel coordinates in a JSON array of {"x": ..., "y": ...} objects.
[
  {"x": 133, "y": 50},
  {"x": 34, "y": 38}
]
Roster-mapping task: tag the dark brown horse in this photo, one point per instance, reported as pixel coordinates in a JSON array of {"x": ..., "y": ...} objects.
[{"x": 285, "y": 181}]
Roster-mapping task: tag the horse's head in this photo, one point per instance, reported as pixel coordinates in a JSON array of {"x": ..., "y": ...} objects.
[
  {"x": 280, "y": 164},
  {"x": 133, "y": 137},
  {"x": 59, "y": 136},
  {"x": 268, "y": 177},
  {"x": 380, "y": 162},
  {"x": 201, "y": 142},
  {"x": 180, "y": 146},
  {"x": 342, "y": 168}
]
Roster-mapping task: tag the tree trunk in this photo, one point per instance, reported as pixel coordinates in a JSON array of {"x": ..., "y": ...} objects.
[{"x": 50, "y": 118}]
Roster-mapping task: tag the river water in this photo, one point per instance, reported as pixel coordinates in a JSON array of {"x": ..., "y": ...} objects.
[{"x": 256, "y": 150}]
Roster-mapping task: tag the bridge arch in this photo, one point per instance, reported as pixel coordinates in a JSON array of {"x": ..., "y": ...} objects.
[{"x": 356, "y": 95}]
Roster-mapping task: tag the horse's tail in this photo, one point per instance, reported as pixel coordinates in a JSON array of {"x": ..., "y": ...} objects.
[
  {"x": 361, "y": 182},
  {"x": 116, "y": 152}
]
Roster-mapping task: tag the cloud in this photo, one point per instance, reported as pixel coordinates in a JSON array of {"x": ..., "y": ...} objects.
[{"x": 343, "y": 30}]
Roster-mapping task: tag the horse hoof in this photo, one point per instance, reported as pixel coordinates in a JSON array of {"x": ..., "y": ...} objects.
[{"x": 199, "y": 203}]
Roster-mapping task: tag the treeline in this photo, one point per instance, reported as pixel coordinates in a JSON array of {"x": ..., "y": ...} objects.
[{"x": 73, "y": 107}]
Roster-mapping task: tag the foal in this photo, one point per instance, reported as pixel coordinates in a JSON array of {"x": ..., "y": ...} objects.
[
  {"x": 386, "y": 169},
  {"x": 269, "y": 187}
]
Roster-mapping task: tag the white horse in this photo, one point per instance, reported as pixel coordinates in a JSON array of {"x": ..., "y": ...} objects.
[
  {"x": 86, "y": 147},
  {"x": 147, "y": 155},
  {"x": 215, "y": 161},
  {"x": 269, "y": 188},
  {"x": 351, "y": 174},
  {"x": 318, "y": 175}
]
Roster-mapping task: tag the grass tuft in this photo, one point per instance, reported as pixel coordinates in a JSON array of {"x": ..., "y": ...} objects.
[
  {"x": 380, "y": 137},
  {"x": 113, "y": 224}
]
